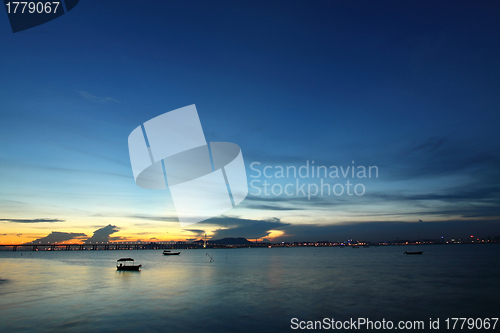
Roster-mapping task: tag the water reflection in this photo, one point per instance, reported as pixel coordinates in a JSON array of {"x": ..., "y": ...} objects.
[{"x": 243, "y": 289}]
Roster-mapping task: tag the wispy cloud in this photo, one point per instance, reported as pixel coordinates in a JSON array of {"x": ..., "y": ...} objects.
[
  {"x": 293, "y": 203},
  {"x": 431, "y": 144},
  {"x": 271, "y": 207},
  {"x": 59, "y": 169},
  {"x": 93, "y": 98},
  {"x": 440, "y": 156},
  {"x": 5, "y": 202},
  {"x": 197, "y": 232},
  {"x": 155, "y": 218},
  {"x": 32, "y": 220}
]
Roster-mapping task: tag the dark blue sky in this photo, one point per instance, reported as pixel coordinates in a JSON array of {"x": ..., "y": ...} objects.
[{"x": 412, "y": 88}]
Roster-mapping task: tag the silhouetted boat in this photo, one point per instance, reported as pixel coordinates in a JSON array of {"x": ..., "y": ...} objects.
[
  {"x": 355, "y": 247},
  {"x": 406, "y": 252},
  {"x": 121, "y": 265},
  {"x": 168, "y": 253}
]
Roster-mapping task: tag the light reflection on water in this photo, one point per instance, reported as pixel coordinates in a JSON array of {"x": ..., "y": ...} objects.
[{"x": 244, "y": 289}]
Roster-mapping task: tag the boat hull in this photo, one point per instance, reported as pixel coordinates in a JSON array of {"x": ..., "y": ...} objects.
[{"x": 128, "y": 268}]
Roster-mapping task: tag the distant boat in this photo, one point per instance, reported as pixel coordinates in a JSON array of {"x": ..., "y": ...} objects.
[
  {"x": 168, "y": 253},
  {"x": 121, "y": 265},
  {"x": 406, "y": 252},
  {"x": 355, "y": 247}
]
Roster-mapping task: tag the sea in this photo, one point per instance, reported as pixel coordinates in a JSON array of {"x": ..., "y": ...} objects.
[{"x": 279, "y": 289}]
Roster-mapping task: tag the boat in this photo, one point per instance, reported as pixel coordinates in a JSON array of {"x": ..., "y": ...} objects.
[
  {"x": 121, "y": 265},
  {"x": 169, "y": 253},
  {"x": 406, "y": 252},
  {"x": 355, "y": 247}
]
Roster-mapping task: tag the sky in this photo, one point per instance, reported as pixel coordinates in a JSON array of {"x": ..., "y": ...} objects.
[{"x": 408, "y": 88}]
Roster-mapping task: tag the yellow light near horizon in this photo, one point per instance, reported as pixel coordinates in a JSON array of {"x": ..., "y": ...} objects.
[{"x": 274, "y": 234}]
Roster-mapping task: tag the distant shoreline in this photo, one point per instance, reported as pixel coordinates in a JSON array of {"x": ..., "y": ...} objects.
[{"x": 190, "y": 246}]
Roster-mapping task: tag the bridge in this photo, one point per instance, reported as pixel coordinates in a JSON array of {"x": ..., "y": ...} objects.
[{"x": 99, "y": 246}]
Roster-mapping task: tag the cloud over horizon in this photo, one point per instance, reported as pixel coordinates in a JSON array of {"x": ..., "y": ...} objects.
[
  {"x": 102, "y": 234},
  {"x": 56, "y": 236},
  {"x": 368, "y": 231},
  {"x": 99, "y": 235},
  {"x": 237, "y": 227}
]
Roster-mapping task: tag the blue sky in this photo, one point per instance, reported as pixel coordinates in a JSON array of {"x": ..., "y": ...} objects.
[{"x": 409, "y": 87}]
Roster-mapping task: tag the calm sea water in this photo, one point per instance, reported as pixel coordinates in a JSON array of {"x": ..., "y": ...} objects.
[{"x": 244, "y": 290}]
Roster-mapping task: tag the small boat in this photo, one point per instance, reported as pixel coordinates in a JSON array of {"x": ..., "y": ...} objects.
[
  {"x": 121, "y": 265},
  {"x": 355, "y": 247},
  {"x": 169, "y": 253},
  {"x": 406, "y": 252}
]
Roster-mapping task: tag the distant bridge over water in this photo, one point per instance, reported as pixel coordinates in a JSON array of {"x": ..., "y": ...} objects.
[{"x": 99, "y": 246}]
